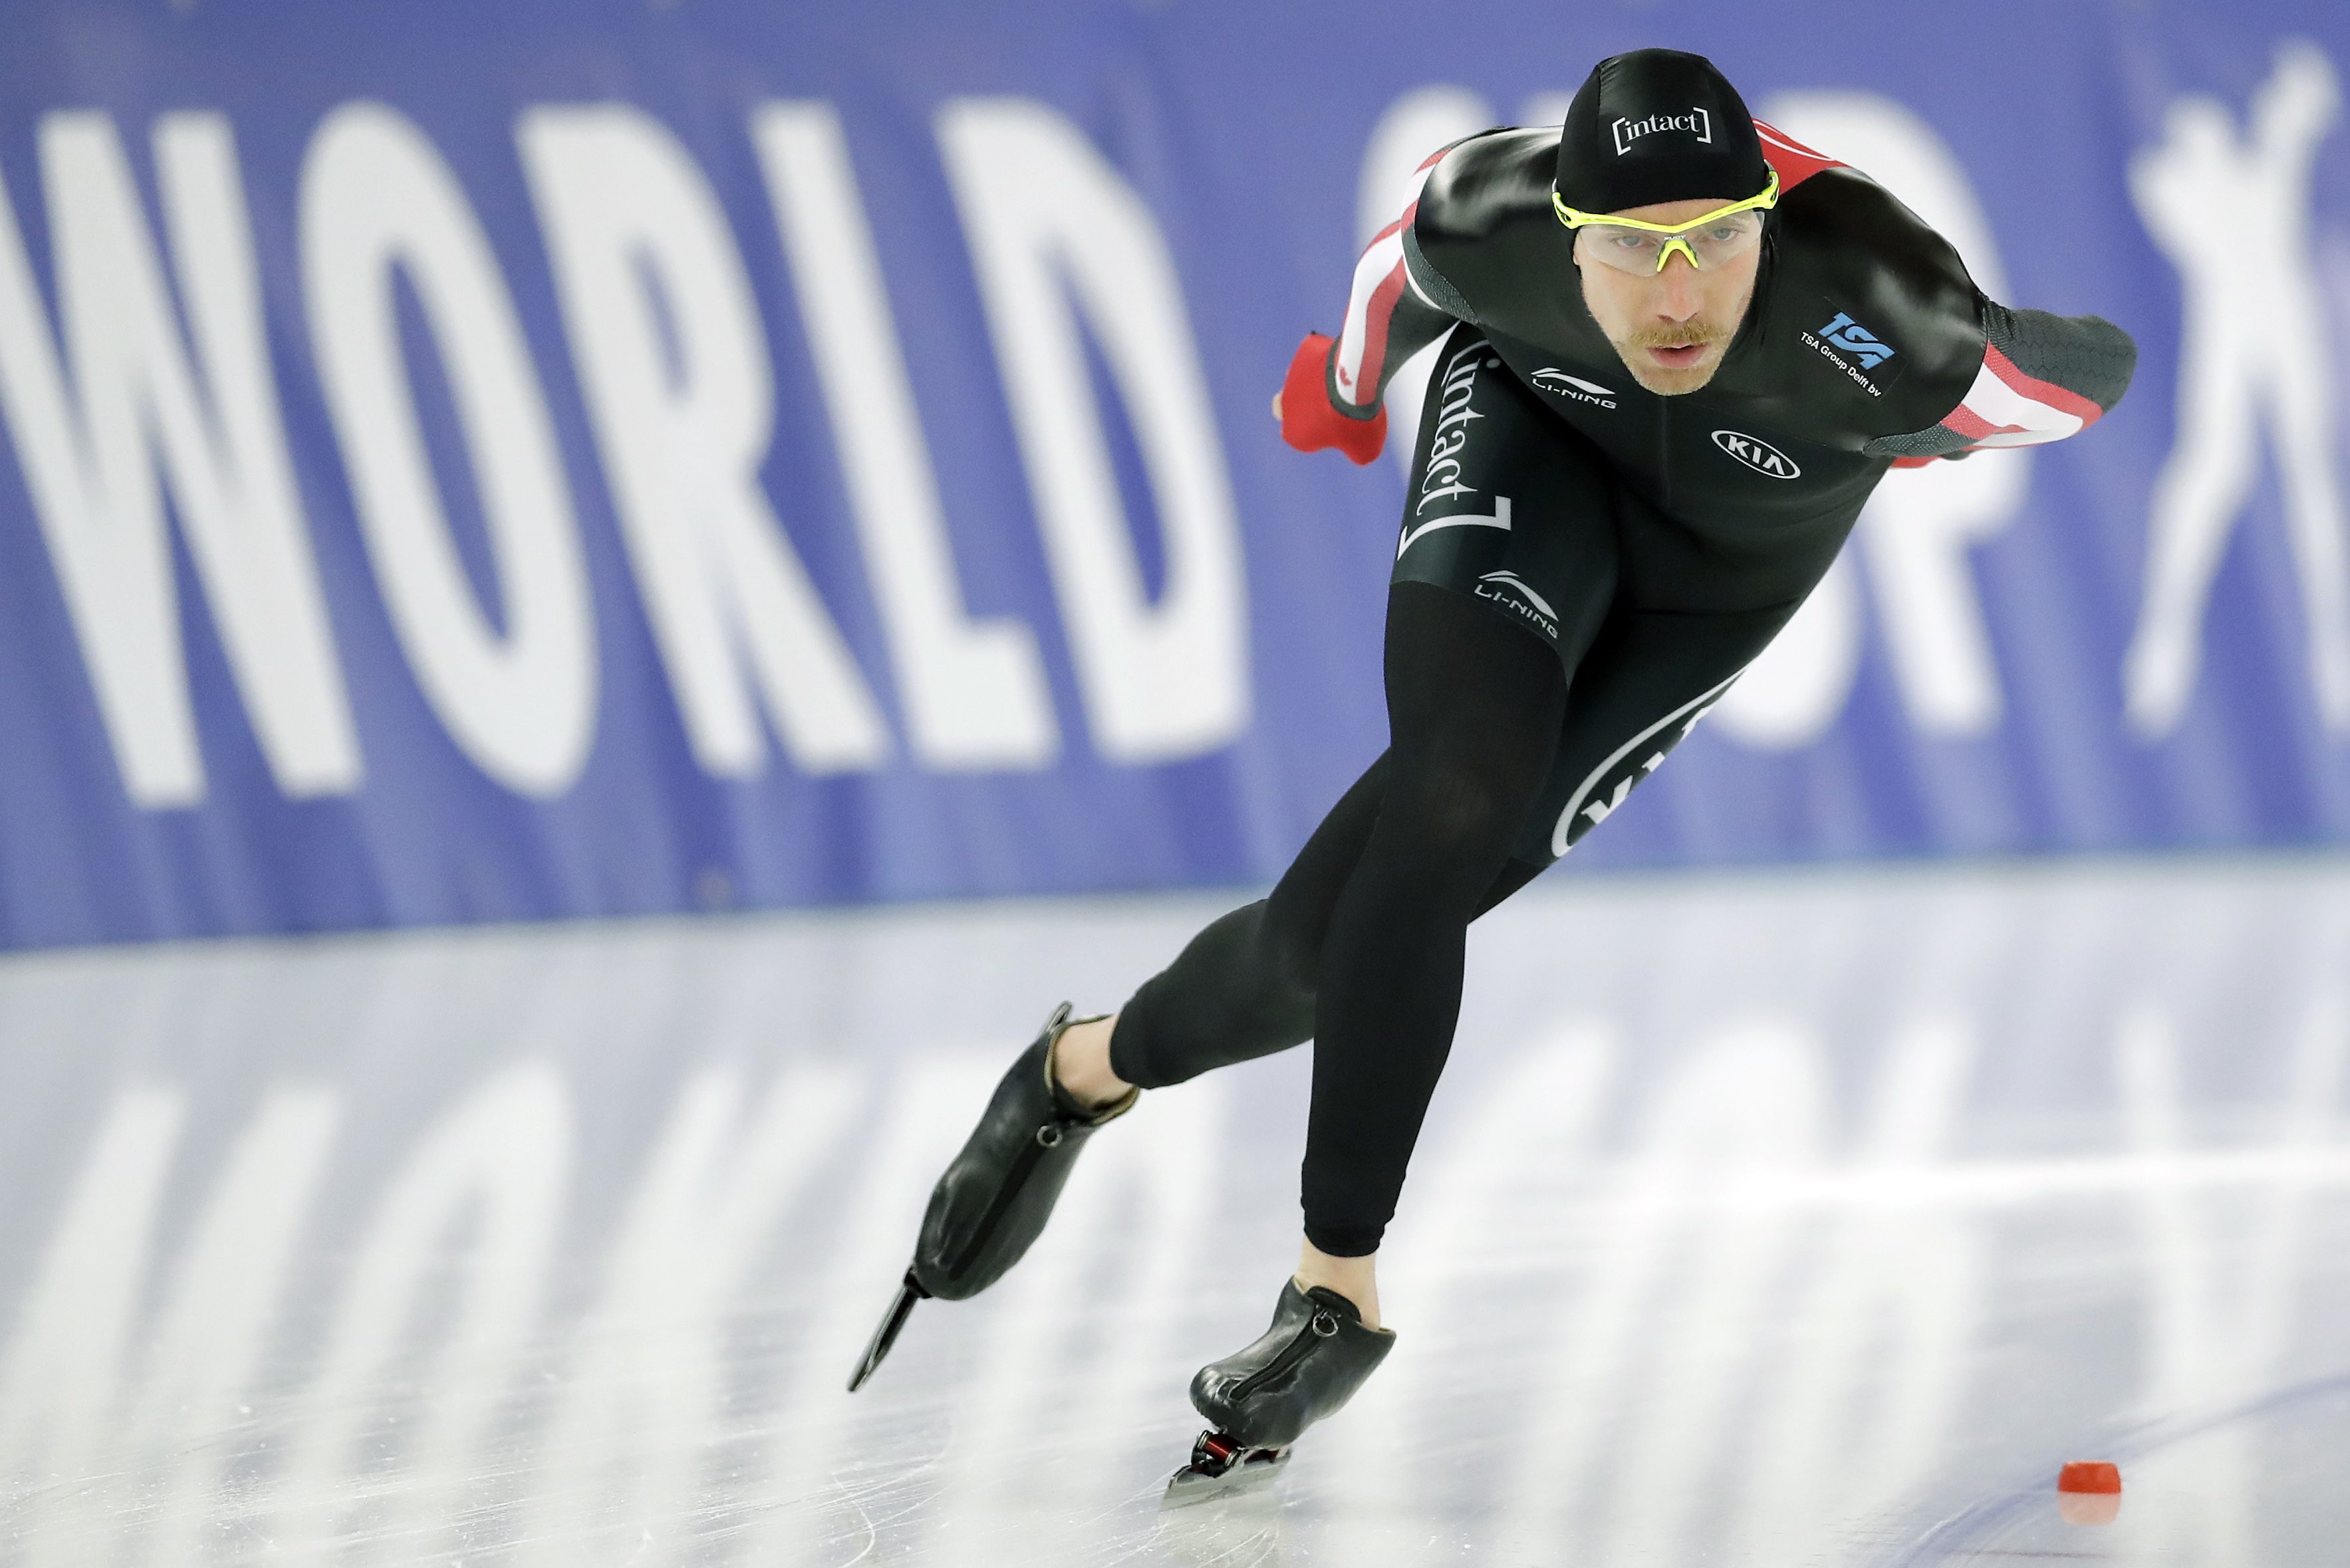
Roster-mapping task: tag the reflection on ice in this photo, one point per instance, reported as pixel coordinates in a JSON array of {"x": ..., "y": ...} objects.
[{"x": 1760, "y": 1219}]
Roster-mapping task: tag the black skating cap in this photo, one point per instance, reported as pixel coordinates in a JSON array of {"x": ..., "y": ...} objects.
[{"x": 1657, "y": 125}]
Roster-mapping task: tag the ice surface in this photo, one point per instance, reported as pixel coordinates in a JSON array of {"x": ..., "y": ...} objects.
[{"x": 1771, "y": 1220}]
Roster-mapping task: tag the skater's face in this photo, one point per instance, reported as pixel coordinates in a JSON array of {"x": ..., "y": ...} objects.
[{"x": 1669, "y": 328}]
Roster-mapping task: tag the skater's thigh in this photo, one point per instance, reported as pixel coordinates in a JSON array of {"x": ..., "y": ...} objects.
[
  {"x": 1508, "y": 508},
  {"x": 1297, "y": 915},
  {"x": 1462, "y": 684},
  {"x": 1694, "y": 605},
  {"x": 1648, "y": 679}
]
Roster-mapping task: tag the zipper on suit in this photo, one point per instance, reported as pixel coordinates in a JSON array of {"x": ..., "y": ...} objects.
[{"x": 1664, "y": 453}]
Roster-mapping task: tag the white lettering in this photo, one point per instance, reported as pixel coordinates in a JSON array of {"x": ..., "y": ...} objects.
[
  {"x": 1833, "y": 1443},
  {"x": 1599, "y": 811},
  {"x": 652, "y": 1361},
  {"x": 376, "y": 198},
  {"x": 924, "y": 1106},
  {"x": 1141, "y": 1201},
  {"x": 64, "y": 1369},
  {"x": 673, "y": 360},
  {"x": 1508, "y": 1171},
  {"x": 1696, "y": 122},
  {"x": 974, "y": 690},
  {"x": 1751, "y": 1100},
  {"x": 214, "y": 1327},
  {"x": 1441, "y": 479},
  {"x": 1686, "y": 715},
  {"x": 1052, "y": 225},
  {"x": 137, "y": 424},
  {"x": 501, "y": 1160}
]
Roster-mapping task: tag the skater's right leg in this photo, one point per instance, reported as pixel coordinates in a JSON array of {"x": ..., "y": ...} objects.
[
  {"x": 1242, "y": 988},
  {"x": 999, "y": 1190},
  {"x": 1245, "y": 986}
]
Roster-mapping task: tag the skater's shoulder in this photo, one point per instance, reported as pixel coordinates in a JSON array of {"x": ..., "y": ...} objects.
[
  {"x": 1484, "y": 242},
  {"x": 1868, "y": 321},
  {"x": 1487, "y": 184},
  {"x": 1841, "y": 232}
]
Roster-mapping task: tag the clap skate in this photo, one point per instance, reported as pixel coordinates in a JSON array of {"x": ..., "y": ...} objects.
[
  {"x": 1261, "y": 1399},
  {"x": 996, "y": 1195}
]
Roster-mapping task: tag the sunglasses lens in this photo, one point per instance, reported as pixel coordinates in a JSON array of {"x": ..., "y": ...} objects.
[
  {"x": 1725, "y": 239},
  {"x": 1643, "y": 251},
  {"x": 1626, "y": 249}
]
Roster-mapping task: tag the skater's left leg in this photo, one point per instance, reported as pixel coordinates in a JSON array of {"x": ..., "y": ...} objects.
[
  {"x": 1494, "y": 602},
  {"x": 1475, "y": 707},
  {"x": 1244, "y": 987},
  {"x": 1490, "y": 613}
]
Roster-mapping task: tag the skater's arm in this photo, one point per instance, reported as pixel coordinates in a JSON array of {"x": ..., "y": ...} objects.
[
  {"x": 2044, "y": 378},
  {"x": 1332, "y": 395}
]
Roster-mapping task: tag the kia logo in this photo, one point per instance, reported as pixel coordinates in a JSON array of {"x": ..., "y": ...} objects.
[{"x": 1758, "y": 455}]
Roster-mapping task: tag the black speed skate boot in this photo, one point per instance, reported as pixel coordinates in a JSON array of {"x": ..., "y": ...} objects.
[
  {"x": 995, "y": 1197},
  {"x": 1309, "y": 1362}
]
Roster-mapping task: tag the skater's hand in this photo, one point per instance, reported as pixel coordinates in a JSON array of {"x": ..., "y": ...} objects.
[{"x": 1309, "y": 422}]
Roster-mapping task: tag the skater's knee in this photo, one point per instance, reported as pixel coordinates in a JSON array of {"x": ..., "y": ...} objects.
[
  {"x": 1272, "y": 943},
  {"x": 1460, "y": 810},
  {"x": 1291, "y": 954},
  {"x": 1242, "y": 988}
]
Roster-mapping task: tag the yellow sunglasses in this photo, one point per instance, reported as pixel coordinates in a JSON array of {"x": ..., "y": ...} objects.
[{"x": 1630, "y": 246}]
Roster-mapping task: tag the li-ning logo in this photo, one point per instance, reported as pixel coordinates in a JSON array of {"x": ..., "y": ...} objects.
[
  {"x": 1696, "y": 122},
  {"x": 1758, "y": 455},
  {"x": 1526, "y": 602},
  {"x": 1574, "y": 388},
  {"x": 1857, "y": 341}
]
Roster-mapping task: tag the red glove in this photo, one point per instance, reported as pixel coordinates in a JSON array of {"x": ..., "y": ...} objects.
[{"x": 1309, "y": 423}]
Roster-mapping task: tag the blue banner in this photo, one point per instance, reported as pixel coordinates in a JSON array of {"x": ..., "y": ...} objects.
[{"x": 485, "y": 463}]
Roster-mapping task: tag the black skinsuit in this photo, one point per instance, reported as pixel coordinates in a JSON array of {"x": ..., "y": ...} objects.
[{"x": 1652, "y": 544}]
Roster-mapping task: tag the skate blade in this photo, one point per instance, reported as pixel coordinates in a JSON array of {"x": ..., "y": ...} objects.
[
  {"x": 1206, "y": 1478},
  {"x": 901, "y": 1307}
]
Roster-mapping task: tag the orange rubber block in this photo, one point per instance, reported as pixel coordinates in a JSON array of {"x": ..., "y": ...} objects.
[{"x": 2089, "y": 1492}]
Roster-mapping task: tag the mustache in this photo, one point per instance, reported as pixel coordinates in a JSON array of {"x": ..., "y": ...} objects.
[{"x": 1678, "y": 335}]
